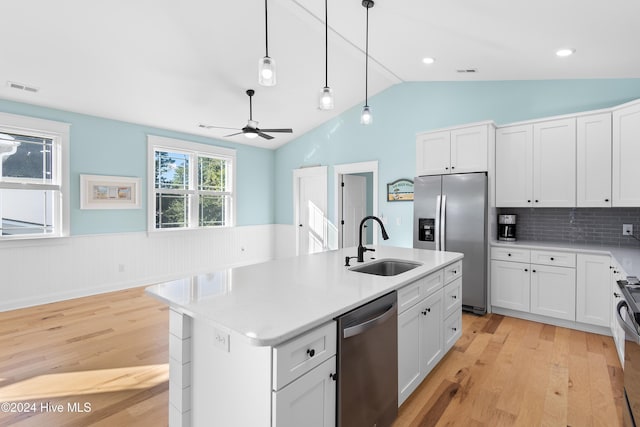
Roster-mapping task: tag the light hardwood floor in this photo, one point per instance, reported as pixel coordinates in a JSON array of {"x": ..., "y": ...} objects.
[{"x": 111, "y": 352}]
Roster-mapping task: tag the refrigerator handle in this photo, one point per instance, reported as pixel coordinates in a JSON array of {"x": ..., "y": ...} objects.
[
  {"x": 438, "y": 223},
  {"x": 443, "y": 223}
]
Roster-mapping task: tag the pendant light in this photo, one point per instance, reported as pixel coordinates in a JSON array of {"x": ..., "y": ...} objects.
[
  {"x": 326, "y": 94},
  {"x": 366, "y": 118},
  {"x": 266, "y": 65}
]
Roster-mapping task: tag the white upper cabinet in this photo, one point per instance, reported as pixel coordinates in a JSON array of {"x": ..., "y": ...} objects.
[
  {"x": 514, "y": 166},
  {"x": 554, "y": 163},
  {"x": 626, "y": 155},
  {"x": 536, "y": 164},
  {"x": 458, "y": 150},
  {"x": 593, "y": 166}
]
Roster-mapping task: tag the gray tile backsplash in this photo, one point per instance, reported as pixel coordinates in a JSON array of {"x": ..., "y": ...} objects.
[{"x": 598, "y": 226}]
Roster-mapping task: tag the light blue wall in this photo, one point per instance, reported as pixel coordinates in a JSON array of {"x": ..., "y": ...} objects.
[
  {"x": 409, "y": 108},
  {"x": 109, "y": 147}
]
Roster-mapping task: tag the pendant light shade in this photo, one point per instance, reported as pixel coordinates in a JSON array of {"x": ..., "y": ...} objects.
[
  {"x": 326, "y": 94},
  {"x": 266, "y": 65},
  {"x": 366, "y": 118}
]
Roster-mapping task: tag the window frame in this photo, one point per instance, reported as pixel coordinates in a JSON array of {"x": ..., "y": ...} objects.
[
  {"x": 194, "y": 149},
  {"x": 58, "y": 132}
]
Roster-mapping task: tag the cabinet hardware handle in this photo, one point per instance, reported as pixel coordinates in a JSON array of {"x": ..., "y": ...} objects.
[
  {"x": 606, "y": 200},
  {"x": 446, "y": 168},
  {"x": 551, "y": 258},
  {"x": 526, "y": 269},
  {"x": 453, "y": 167},
  {"x": 508, "y": 254},
  {"x": 334, "y": 376},
  {"x": 537, "y": 200},
  {"x": 454, "y": 329},
  {"x": 611, "y": 267},
  {"x": 311, "y": 352},
  {"x": 428, "y": 310},
  {"x": 454, "y": 271},
  {"x": 615, "y": 271},
  {"x": 299, "y": 225},
  {"x": 454, "y": 296},
  {"x": 533, "y": 271},
  {"x": 617, "y": 295},
  {"x": 528, "y": 201}
]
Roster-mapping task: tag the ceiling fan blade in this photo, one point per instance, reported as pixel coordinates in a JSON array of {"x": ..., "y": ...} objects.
[
  {"x": 264, "y": 135},
  {"x": 216, "y": 127},
  {"x": 277, "y": 130},
  {"x": 234, "y": 134}
]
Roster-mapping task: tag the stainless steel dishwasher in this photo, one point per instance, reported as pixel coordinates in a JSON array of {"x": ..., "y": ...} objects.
[{"x": 368, "y": 364}]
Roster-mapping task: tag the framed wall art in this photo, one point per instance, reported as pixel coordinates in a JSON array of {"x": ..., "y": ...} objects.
[
  {"x": 109, "y": 192},
  {"x": 400, "y": 190}
]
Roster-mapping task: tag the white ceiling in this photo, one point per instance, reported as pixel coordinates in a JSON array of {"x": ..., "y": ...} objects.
[{"x": 175, "y": 64}]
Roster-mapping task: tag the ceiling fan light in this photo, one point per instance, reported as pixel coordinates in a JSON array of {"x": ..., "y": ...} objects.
[
  {"x": 267, "y": 71},
  {"x": 366, "y": 118},
  {"x": 251, "y": 135},
  {"x": 326, "y": 99}
]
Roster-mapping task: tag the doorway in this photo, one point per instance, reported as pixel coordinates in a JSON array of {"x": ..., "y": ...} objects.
[
  {"x": 310, "y": 209},
  {"x": 354, "y": 200}
]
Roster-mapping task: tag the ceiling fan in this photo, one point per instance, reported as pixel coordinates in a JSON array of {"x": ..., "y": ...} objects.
[{"x": 251, "y": 130}]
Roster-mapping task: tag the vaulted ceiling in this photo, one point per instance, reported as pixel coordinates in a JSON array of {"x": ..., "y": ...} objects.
[{"x": 176, "y": 64}]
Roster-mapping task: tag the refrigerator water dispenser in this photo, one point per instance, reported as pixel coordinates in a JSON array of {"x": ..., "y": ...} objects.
[{"x": 426, "y": 229}]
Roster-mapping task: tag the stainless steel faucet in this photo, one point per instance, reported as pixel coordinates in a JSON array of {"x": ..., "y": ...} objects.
[{"x": 362, "y": 249}]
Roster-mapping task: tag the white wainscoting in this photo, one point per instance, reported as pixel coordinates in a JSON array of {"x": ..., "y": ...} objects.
[
  {"x": 285, "y": 240},
  {"x": 41, "y": 271}
]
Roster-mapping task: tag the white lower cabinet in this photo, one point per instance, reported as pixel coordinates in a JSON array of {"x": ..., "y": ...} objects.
[
  {"x": 553, "y": 291},
  {"x": 308, "y": 401},
  {"x": 593, "y": 290},
  {"x": 428, "y": 328},
  {"x": 616, "y": 296},
  {"x": 420, "y": 343},
  {"x": 510, "y": 285}
]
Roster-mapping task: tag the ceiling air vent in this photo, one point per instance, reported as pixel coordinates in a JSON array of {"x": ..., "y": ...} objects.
[
  {"x": 467, "y": 70},
  {"x": 21, "y": 86}
]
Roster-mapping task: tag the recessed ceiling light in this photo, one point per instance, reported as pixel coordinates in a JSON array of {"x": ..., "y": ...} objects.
[
  {"x": 565, "y": 52},
  {"x": 428, "y": 60}
]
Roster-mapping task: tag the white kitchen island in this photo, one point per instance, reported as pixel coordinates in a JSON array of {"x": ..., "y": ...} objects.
[{"x": 246, "y": 341}]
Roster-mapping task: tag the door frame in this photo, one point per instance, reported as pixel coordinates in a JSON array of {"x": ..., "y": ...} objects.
[
  {"x": 348, "y": 168},
  {"x": 320, "y": 171}
]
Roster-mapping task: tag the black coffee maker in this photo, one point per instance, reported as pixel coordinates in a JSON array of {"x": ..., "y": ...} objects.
[{"x": 507, "y": 227}]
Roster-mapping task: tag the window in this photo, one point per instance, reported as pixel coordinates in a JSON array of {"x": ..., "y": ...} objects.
[
  {"x": 192, "y": 185},
  {"x": 33, "y": 177}
]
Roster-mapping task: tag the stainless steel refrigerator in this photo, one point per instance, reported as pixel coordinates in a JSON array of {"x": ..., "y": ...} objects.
[{"x": 450, "y": 214}]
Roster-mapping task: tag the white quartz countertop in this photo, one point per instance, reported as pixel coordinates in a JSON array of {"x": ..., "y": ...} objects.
[
  {"x": 271, "y": 302},
  {"x": 627, "y": 258}
]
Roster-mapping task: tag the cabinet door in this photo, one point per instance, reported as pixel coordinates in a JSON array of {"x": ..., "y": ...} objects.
[
  {"x": 409, "y": 351},
  {"x": 431, "y": 332},
  {"x": 554, "y": 163},
  {"x": 553, "y": 291},
  {"x": 593, "y": 289},
  {"x": 308, "y": 401},
  {"x": 469, "y": 149},
  {"x": 433, "y": 153},
  {"x": 593, "y": 166},
  {"x": 626, "y": 156},
  {"x": 514, "y": 173},
  {"x": 510, "y": 285}
]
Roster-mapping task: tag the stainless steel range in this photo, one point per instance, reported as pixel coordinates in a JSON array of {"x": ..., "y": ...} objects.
[{"x": 628, "y": 315}]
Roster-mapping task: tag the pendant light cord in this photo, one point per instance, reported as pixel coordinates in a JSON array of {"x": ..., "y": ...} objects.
[
  {"x": 326, "y": 45},
  {"x": 366, "y": 66},
  {"x": 266, "y": 30}
]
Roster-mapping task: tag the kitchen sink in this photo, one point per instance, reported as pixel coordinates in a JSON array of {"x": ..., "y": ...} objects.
[{"x": 386, "y": 267}]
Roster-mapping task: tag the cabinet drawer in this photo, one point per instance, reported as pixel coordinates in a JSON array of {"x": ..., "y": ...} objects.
[
  {"x": 419, "y": 290},
  {"x": 557, "y": 258},
  {"x": 452, "y": 271},
  {"x": 301, "y": 354},
  {"x": 510, "y": 254},
  {"x": 452, "y": 329},
  {"x": 453, "y": 297}
]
